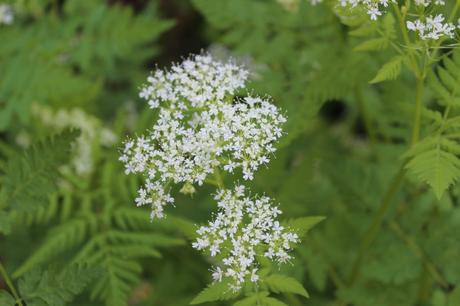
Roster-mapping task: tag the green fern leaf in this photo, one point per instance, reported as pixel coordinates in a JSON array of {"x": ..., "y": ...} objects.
[
  {"x": 445, "y": 82},
  {"x": 115, "y": 285},
  {"x": 54, "y": 288},
  {"x": 285, "y": 284},
  {"x": 435, "y": 165},
  {"x": 215, "y": 292},
  {"x": 30, "y": 178},
  {"x": 389, "y": 71},
  {"x": 60, "y": 239},
  {"x": 374, "y": 44}
]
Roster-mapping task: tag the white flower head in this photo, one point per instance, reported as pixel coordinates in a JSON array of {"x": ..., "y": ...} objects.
[
  {"x": 6, "y": 14},
  {"x": 242, "y": 229},
  {"x": 202, "y": 125},
  {"x": 374, "y": 8},
  {"x": 432, "y": 28}
]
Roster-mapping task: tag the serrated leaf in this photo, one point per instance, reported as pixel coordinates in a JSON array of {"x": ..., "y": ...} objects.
[
  {"x": 285, "y": 284},
  {"x": 445, "y": 81},
  {"x": 434, "y": 165},
  {"x": 215, "y": 292},
  {"x": 388, "y": 26},
  {"x": 389, "y": 71},
  {"x": 374, "y": 44}
]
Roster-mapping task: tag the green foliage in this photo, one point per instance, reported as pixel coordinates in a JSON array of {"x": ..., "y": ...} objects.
[
  {"x": 286, "y": 47},
  {"x": 6, "y": 299},
  {"x": 79, "y": 47},
  {"x": 51, "y": 287},
  {"x": 389, "y": 71},
  {"x": 30, "y": 177},
  {"x": 260, "y": 298},
  {"x": 434, "y": 164},
  {"x": 435, "y": 159},
  {"x": 280, "y": 283},
  {"x": 214, "y": 292},
  {"x": 303, "y": 225},
  {"x": 352, "y": 89},
  {"x": 114, "y": 239}
]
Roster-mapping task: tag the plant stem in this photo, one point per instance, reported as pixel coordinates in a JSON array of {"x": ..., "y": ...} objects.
[
  {"x": 418, "y": 109},
  {"x": 454, "y": 11},
  {"x": 405, "y": 35},
  {"x": 374, "y": 228},
  {"x": 10, "y": 285}
]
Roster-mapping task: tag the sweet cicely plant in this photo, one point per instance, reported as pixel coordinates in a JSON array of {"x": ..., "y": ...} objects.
[{"x": 207, "y": 128}]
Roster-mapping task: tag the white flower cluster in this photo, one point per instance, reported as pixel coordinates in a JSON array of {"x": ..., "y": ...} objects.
[
  {"x": 92, "y": 131},
  {"x": 425, "y": 3},
  {"x": 242, "y": 229},
  {"x": 427, "y": 28},
  {"x": 373, "y": 7},
  {"x": 432, "y": 28},
  {"x": 201, "y": 126},
  {"x": 6, "y": 14}
]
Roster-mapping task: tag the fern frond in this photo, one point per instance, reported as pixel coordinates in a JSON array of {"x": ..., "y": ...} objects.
[
  {"x": 389, "y": 71},
  {"x": 60, "y": 239},
  {"x": 30, "y": 177},
  {"x": 53, "y": 287},
  {"x": 433, "y": 163},
  {"x": 445, "y": 82},
  {"x": 214, "y": 292}
]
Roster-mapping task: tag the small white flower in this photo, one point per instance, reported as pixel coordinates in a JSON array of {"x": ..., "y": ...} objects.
[
  {"x": 217, "y": 274},
  {"x": 254, "y": 276}
]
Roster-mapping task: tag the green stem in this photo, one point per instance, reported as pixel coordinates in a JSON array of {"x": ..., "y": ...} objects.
[
  {"x": 374, "y": 228},
  {"x": 405, "y": 35},
  {"x": 454, "y": 11},
  {"x": 10, "y": 285},
  {"x": 418, "y": 110}
]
